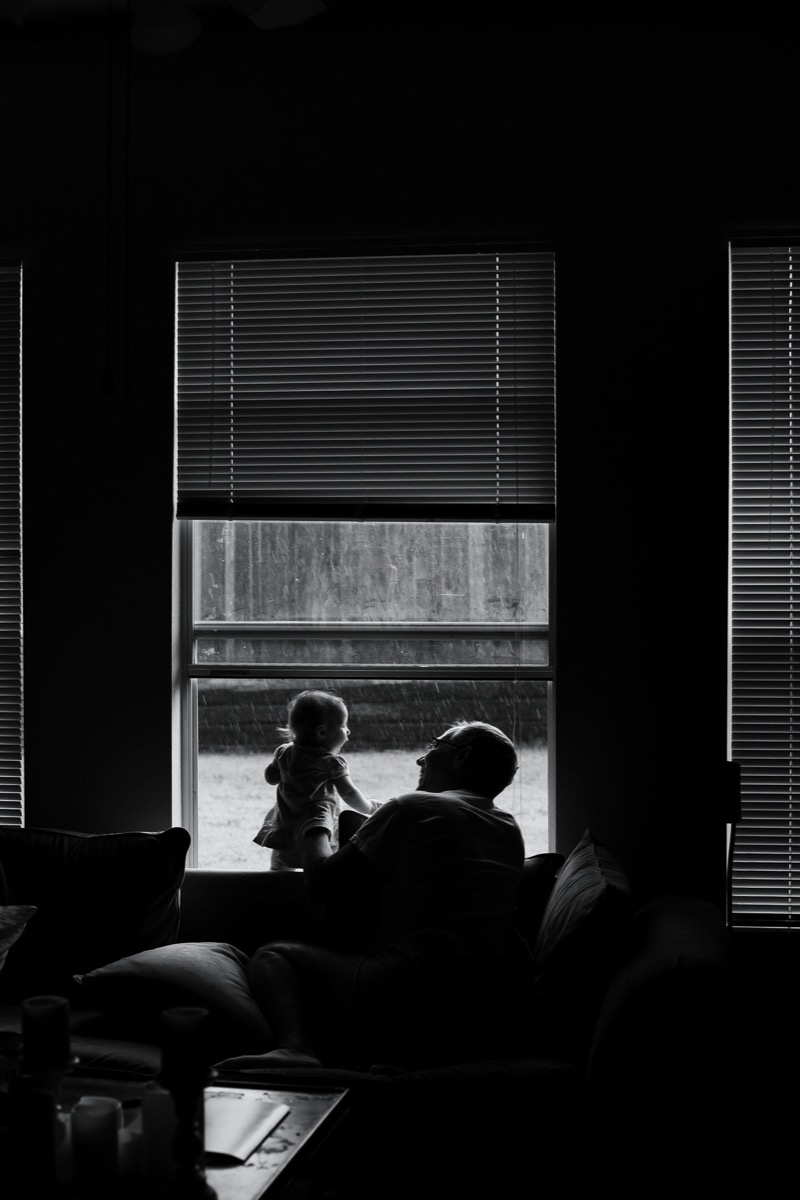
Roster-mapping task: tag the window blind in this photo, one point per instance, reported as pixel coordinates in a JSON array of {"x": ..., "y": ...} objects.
[
  {"x": 765, "y": 582},
  {"x": 367, "y": 387},
  {"x": 11, "y": 761}
]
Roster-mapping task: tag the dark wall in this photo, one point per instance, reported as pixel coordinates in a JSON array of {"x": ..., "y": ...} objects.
[{"x": 632, "y": 149}]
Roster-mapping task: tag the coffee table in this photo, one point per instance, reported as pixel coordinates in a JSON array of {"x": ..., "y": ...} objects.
[{"x": 284, "y": 1155}]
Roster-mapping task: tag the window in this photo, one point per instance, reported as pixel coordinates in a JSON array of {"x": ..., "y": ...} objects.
[
  {"x": 11, "y": 761},
  {"x": 366, "y": 492},
  {"x": 765, "y": 582}
]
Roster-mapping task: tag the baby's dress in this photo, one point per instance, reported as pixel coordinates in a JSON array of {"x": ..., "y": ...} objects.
[{"x": 306, "y": 798}]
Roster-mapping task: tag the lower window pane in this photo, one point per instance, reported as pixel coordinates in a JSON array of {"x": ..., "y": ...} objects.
[{"x": 391, "y": 721}]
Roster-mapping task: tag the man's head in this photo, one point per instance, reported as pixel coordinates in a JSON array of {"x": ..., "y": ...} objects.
[{"x": 470, "y": 754}]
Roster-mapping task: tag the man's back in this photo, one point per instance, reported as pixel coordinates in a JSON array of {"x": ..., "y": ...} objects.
[{"x": 449, "y": 866}]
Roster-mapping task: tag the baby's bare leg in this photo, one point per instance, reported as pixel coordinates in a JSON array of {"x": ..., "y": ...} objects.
[{"x": 276, "y": 862}]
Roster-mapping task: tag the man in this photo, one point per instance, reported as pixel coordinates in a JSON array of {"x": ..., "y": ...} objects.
[{"x": 433, "y": 983}]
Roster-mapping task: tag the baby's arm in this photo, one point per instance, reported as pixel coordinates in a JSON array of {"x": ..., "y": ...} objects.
[
  {"x": 354, "y": 796},
  {"x": 272, "y": 772}
]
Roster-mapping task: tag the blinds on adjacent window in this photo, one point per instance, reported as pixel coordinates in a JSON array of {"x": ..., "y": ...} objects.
[
  {"x": 765, "y": 581},
  {"x": 10, "y": 548},
  {"x": 365, "y": 387}
]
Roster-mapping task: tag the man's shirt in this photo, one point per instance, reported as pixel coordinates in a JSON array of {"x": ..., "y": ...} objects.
[{"x": 449, "y": 865}]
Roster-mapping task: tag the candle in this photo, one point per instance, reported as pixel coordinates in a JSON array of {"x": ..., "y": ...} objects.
[
  {"x": 10, "y": 1055},
  {"x": 158, "y": 1131},
  {"x": 96, "y": 1121},
  {"x": 45, "y": 1031},
  {"x": 185, "y": 1045},
  {"x": 129, "y": 1150}
]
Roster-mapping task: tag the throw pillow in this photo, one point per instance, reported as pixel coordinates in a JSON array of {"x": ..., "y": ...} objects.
[
  {"x": 585, "y": 929},
  {"x": 210, "y": 974},
  {"x": 13, "y": 919},
  {"x": 538, "y": 877},
  {"x": 99, "y": 897}
]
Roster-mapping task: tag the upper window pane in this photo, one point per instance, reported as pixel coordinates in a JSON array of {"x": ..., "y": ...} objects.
[{"x": 395, "y": 573}]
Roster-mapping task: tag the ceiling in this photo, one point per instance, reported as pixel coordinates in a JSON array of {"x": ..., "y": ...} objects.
[
  {"x": 32, "y": 11},
  {"x": 66, "y": 9},
  {"x": 164, "y": 26}
]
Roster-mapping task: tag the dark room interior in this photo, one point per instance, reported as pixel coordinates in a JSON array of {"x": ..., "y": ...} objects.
[{"x": 635, "y": 152}]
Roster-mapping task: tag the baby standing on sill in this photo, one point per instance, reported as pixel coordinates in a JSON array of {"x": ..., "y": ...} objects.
[{"x": 309, "y": 771}]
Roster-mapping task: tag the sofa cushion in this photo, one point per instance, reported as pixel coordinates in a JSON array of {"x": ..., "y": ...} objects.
[
  {"x": 585, "y": 929},
  {"x": 538, "y": 877},
  {"x": 99, "y": 897},
  {"x": 13, "y": 919},
  {"x": 682, "y": 967},
  {"x": 135, "y": 991},
  {"x": 246, "y": 908}
]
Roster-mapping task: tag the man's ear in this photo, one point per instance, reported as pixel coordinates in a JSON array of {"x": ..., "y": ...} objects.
[{"x": 461, "y": 755}]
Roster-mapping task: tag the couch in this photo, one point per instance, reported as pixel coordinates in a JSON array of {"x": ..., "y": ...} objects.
[{"x": 619, "y": 1042}]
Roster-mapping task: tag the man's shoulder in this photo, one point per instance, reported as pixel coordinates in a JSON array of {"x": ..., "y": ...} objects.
[
  {"x": 454, "y": 805},
  {"x": 445, "y": 801},
  {"x": 405, "y": 805},
  {"x": 416, "y": 797},
  {"x": 445, "y": 797},
  {"x": 428, "y": 800}
]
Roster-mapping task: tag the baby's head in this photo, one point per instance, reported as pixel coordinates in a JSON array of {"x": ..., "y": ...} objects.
[{"x": 317, "y": 719}]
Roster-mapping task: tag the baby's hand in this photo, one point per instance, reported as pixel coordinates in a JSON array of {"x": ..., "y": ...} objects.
[{"x": 375, "y": 805}]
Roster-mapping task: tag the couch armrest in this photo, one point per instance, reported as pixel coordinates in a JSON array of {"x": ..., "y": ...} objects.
[
  {"x": 663, "y": 1033},
  {"x": 244, "y": 908}
]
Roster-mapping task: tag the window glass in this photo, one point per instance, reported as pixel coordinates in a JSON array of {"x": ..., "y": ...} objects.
[
  {"x": 391, "y": 722},
  {"x": 416, "y": 625},
  {"x": 394, "y": 572}
]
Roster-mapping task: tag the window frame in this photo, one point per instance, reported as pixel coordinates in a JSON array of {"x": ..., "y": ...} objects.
[{"x": 190, "y": 672}]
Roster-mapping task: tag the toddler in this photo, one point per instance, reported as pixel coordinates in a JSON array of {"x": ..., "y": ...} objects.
[{"x": 309, "y": 771}]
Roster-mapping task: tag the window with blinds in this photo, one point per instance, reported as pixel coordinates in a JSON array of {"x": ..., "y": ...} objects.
[
  {"x": 765, "y": 581},
  {"x": 366, "y": 488},
  {"x": 11, "y": 760}
]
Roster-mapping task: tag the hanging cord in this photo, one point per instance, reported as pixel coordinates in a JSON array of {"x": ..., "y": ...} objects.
[
  {"x": 518, "y": 639},
  {"x": 732, "y": 799}
]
